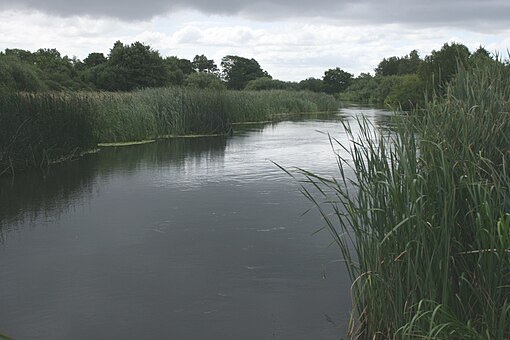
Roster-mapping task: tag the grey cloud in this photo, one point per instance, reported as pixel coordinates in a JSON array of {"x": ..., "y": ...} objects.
[{"x": 464, "y": 13}]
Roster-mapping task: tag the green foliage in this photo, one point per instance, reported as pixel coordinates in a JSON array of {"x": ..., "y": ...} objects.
[
  {"x": 407, "y": 94},
  {"x": 249, "y": 106},
  {"x": 389, "y": 90},
  {"x": 202, "y": 80},
  {"x": 94, "y": 59},
  {"x": 312, "y": 84},
  {"x": 202, "y": 64},
  {"x": 238, "y": 71},
  {"x": 154, "y": 113},
  {"x": 384, "y": 88},
  {"x": 17, "y": 76},
  {"x": 130, "y": 67},
  {"x": 266, "y": 83},
  {"x": 421, "y": 215},
  {"x": 441, "y": 66},
  {"x": 39, "y": 129},
  {"x": 53, "y": 71},
  {"x": 396, "y": 66},
  {"x": 336, "y": 80},
  {"x": 362, "y": 90}
]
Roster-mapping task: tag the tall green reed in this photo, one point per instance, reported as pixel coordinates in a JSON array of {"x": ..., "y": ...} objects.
[
  {"x": 421, "y": 216},
  {"x": 37, "y": 129},
  {"x": 249, "y": 106}
]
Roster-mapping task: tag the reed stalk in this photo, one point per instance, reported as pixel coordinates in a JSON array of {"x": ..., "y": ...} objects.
[{"x": 421, "y": 216}]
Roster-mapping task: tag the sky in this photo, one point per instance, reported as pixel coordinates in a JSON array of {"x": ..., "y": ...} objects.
[{"x": 291, "y": 39}]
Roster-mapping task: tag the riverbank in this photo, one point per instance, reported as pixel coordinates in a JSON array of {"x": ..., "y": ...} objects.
[
  {"x": 37, "y": 129},
  {"x": 424, "y": 224}
]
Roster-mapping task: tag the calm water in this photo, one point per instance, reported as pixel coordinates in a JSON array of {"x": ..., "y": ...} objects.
[{"x": 183, "y": 239}]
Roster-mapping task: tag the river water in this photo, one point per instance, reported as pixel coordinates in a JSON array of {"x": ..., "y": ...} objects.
[{"x": 196, "y": 238}]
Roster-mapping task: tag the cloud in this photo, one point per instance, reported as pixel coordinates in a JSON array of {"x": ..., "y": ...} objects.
[
  {"x": 468, "y": 14},
  {"x": 292, "y": 49}
]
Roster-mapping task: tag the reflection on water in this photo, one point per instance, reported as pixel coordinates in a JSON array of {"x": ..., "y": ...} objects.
[{"x": 185, "y": 238}]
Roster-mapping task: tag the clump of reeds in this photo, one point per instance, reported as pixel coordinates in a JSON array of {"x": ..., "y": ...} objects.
[
  {"x": 154, "y": 113},
  {"x": 250, "y": 106},
  {"x": 422, "y": 216},
  {"x": 37, "y": 129}
]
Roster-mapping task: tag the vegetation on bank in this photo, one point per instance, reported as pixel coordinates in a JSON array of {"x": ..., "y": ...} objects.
[
  {"x": 422, "y": 215},
  {"x": 37, "y": 129},
  {"x": 409, "y": 81},
  {"x": 130, "y": 67}
]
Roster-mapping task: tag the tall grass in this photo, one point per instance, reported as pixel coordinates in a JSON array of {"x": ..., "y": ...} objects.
[
  {"x": 422, "y": 216},
  {"x": 153, "y": 113},
  {"x": 252, "y": 106},
  {"x": 37, "y": 129}
]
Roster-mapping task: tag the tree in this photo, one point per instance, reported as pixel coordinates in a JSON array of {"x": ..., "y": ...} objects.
[
  {"x": 395, "y": 66},
  {"x": 481, "y": 57},
  {"x": 408, "y": 93},
  {"x": 238, "y": 71},
  {"x": 336, "y": 80},
  {"x": 204, "y": 80},
  {"x": 94, "y": 59},
  {"x": 202, "y": 64},
  {"x": 440, "y": 66},
  {"x": 18, "y": 76},
  {"x": 266, "y": 83},
  {"x": 312, "y": 84},
  {"x": 130, "y": 67},
  {"x": 362, "y": 88}
]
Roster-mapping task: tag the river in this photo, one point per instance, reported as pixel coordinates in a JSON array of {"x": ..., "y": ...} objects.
[{"x": 192, "y": 238}]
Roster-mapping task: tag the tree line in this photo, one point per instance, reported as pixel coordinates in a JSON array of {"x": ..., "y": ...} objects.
[
  {"x": 133, "y": 66},
  {"x": 409, "y": 80},
  {"x": 127, "y": 67}
]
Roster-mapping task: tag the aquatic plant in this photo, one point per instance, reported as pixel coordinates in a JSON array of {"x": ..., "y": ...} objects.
[
  {"x": 422, "y": 215},
  {"x": 37, "y": 129}
]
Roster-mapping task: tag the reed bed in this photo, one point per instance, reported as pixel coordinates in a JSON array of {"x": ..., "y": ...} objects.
[
  {"x": 253, "y": 106},
  {"x": 37, "y": 129},
  {"x": 422, "y": 216}
]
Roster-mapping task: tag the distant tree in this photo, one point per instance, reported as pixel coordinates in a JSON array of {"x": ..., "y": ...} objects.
[
  {"x": 204, "y": 80},
  {"x": 266, "y": 83},
  {"x": 336, "y": 80},
  {"x": 18, "y": 76},
  {"x": 481, "y": 57},
  {"x": 130, "y": 67},
  {"x": 394, "y": 66},
  {"x": 175, "y": 75},
  {"x": 186, "y": 66},
  {"x": 362, "y": 88},
  {"x": 387, "y": 67},
  {"x": 412, "y": 64},
  {"x": 202, "y": 64},
  {"x": 384, "y": 87},
  {"x": 408, "y": 93},
  {"x": 440, "y": 66},
  {"x": 21, "y": 55},
  {"x": 312, "y": 84},
  {"x": 238, "y": 71},
  {"x": 94, "y": 59}
]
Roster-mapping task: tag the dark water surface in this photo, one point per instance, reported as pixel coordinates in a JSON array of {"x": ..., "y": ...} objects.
[{"x": 198, "y": 238}]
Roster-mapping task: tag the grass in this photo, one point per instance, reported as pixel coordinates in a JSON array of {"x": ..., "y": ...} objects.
[
  {"x": 37, "y": 129},
  {"x": 422, "y": 216},
  {"x": 257, "y": 106}
]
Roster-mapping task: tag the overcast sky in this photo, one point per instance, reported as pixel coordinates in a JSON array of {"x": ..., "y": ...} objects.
[{"x": 291, "y": 39}]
